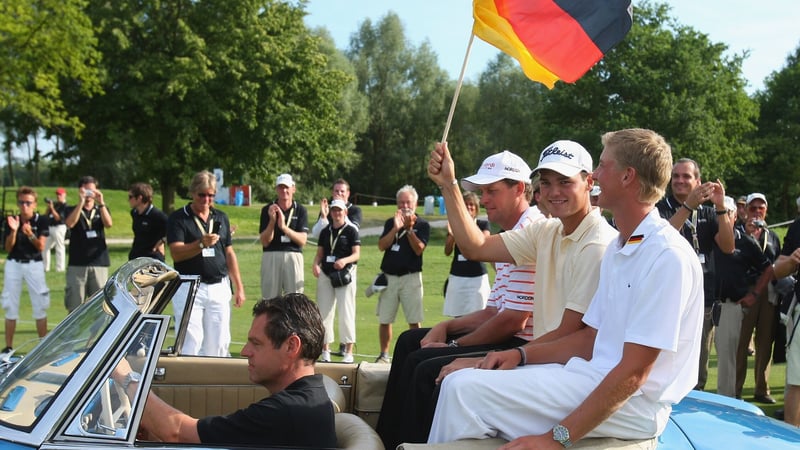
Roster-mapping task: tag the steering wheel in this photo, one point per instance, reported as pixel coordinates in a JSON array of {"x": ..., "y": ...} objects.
[{"x": 109, "y": 416}]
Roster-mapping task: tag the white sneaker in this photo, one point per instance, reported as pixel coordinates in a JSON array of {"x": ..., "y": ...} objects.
[
  {"x": 348, "y": 358},
  {"x": 326, "y": 356}
]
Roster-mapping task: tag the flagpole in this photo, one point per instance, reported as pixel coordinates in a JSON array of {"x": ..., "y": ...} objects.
[{"x": 458, "y": 89}]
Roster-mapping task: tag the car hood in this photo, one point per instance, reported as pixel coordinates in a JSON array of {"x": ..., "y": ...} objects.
[{"x": 710, "y": 421}]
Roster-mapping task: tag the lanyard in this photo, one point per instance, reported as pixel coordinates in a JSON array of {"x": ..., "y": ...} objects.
[
  {"x": 88, "y": 219},
  {"x": 693, "y": 228},
  {"x": 398, "y": 236},
  {"x": 332, "y": 240},
  {"x": 200, "y": 225},
  {"x": 291, "y": 214}
]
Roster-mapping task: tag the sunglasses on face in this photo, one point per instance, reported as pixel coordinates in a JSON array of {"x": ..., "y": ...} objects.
[{"x": 24, "y": 203}]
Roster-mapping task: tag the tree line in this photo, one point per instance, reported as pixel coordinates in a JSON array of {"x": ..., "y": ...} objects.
[{"x": 155, "y": 91}]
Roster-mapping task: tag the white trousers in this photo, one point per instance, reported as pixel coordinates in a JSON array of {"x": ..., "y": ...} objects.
[
  {"x": 58, "y": 234},
  {"x": 209, "y": 329},
  {"x": 530, "y": 400},
  {"x": 343, "y": 300}
]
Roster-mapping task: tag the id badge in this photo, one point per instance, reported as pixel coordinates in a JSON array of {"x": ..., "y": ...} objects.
[
  {"x": 285, "y": 239},
  {"x": 396, "y": 247},
  {"x": 330, "y": 259},
  {"x": 461, "y": 258},
  {"x": 91, "y": 234},
  {"x": 702, "y": 257},
  {"x": 209, "y": 252}
]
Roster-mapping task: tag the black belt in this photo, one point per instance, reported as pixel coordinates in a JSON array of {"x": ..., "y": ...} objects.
[
  {"x": 24, "y": 261},
  {"x": 210, "y": 280},
  {"x": 400, "y": 274}
]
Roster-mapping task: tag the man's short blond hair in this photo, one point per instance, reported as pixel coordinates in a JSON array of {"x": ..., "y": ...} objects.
[{"x": 646, "y": 152}]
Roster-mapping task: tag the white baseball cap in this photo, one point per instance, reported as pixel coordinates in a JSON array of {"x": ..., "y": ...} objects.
[
  {"x": 730, "y": 204},
  {"x": 500, "y": 166},
  {"x": 565, "y": 157},
  {"x": 284, "y": 179},
  {"x": 757, "y": 196},
  {"x": 338, "y": 203}
]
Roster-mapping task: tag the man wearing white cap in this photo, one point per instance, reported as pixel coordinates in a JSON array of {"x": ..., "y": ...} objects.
[
  {"x": 506, "y": 322},
  {"x": 734, "y": 282},
  {"x": 566, "y": 249},
  {"x": 283, "y": 233},
  {"x": 760, "y": 315}
]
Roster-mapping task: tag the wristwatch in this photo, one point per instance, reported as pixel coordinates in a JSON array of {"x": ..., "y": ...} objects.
[
  {"x": 561, "y": 435},
  {"x": 452, "y": 343},
  {"x": 132, "y": 377}
]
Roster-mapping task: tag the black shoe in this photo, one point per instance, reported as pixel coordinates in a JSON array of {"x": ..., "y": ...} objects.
[
  {"x": 341, "y": 350},
  {"x": 779, "y": 414},
  {"x": 6, "y": 350},
  {"x": 765, "y": 398}
]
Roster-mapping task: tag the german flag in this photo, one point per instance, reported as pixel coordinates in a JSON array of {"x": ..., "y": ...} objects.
[{"x": 553, "y": 39}]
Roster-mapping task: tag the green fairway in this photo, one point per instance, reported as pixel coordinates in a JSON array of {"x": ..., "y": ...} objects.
[{"x": 248, "y": 251}]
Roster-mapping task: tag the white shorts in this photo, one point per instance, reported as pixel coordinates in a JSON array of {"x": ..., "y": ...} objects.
[
  {"x": 465, "y": 295},
  {"x": 33, "y": 274},
  {"x": 793, "y": 350}
]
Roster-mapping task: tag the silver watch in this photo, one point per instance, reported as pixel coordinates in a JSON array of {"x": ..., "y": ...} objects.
[
  {"x": 132, "y": 377},
  {"x": 561, "y": 435}
]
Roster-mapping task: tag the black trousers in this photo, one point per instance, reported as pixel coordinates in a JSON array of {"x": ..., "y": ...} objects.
[{"x": 411, "y": 391}]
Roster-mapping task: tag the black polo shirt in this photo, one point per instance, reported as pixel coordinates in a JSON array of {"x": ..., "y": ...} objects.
[
  {"x": 342, "y": 239},
  {"x": 87, "y": 241},
  {"x": 299, "y": 416},
  {"x": 23, "y": 249},
  {"x": 182, "y": 227},
  {"x": 148, "y": 228},
  {"x": 403, "y": 260},
  {"x": 790, "y": 243},
  {"x": 705, "y": 219},
  {"x": 61, "y": 209},
  {"x": 462, "y": 267},
  {"x": 737, "y": 272},
  {"x": 297, "y": 219}
]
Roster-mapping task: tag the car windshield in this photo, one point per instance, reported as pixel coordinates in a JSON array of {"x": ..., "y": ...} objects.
[{"x": 28, "y": 387}]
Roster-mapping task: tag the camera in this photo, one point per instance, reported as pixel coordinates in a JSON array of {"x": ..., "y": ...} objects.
[
  {"x": 88, "y": 193},
  {"x": 48, "y": 200},
  {"x": 759, "y": 224}
]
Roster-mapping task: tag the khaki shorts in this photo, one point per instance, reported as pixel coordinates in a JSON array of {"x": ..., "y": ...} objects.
[{"x": 405, "y": 290}]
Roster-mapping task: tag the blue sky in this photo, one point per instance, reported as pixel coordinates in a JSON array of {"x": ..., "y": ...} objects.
[{"x": 768, "y": 29}]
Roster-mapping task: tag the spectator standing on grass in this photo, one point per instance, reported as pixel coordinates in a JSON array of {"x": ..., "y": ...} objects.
[
  {"x": 149, "y": 224},
  {"x": 704, "y": 227},
  {"x": 761, "y": 314},
  {"x": 283, "y": 231},
  {"x": 87, "y": 271},
  {"x": 736, "y": 274},
  {"x": 24, "y": 239},
  {"x": 337, "y": 255},
  {"x": 56, "y": 241},
  {"x": 467, "y": 285},
  {"x": 402, "y": 242},
  {"x": 199, "y": 239}
]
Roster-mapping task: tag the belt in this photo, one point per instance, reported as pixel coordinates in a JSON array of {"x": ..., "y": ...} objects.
[
  {"x": 211, "y": 280},
  {"x": 400, "y": 274},
  {"x": 24, "y": 261}
]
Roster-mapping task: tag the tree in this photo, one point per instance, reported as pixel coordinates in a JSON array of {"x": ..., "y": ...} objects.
[
  {"x": 406, "y": 91},
  {"x": 46, "y": 44},
  {"x": 777, "y": 173},
  {"x": 238, "y": 84}
]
